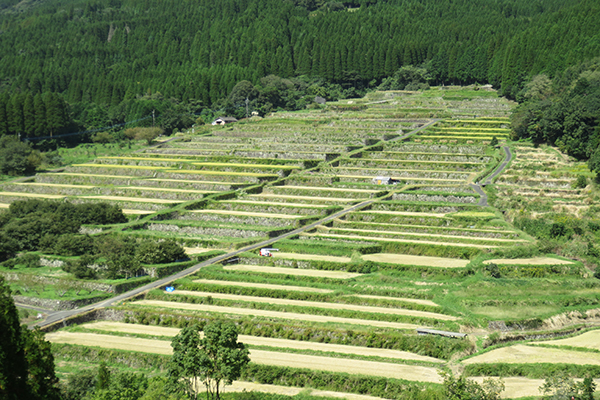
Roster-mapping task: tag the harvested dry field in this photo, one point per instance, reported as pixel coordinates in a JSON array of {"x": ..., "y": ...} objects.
[
  {"x": 292, "y": 271},
  {"x": 137, "y": 212},
  {"x": 404, "y": 213},
  {"x": 318, "y": 304},
  {"x": 262, "y": 341},
  {"x": 197, "y": 250},
  {"x": 331, "y": 364},
  {"x": 132, "y": 199},
  {"x": 248, "y": 214},
  {"x": 591, "y": 340},
  {"x": 521, "y": 354},
  {"x": 274, "y": 314},
  {"x": 528, "y": 261},
  {"x": 310, "y": 257},
  {"x": 241, "y": 386},
  {"x": 405, "y": 259},
  {"x": 384, "y": 239},
  {"x": 263, "y": 286}
]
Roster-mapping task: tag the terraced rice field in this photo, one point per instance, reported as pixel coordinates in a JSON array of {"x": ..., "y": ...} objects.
[
  {"x": 529, "y": 261},
  {"x": 273, "y": 314},
  {"x": 405, "y": 259},
  {"x": 589, "y": 340},
  {"x": 316, "y": 304}
]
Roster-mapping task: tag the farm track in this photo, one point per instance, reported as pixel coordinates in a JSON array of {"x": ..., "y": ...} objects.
[
  {"x": 273, "y": 314},
  {"x": 320, "y": 363},
  {"x": 318, "y": 304}
]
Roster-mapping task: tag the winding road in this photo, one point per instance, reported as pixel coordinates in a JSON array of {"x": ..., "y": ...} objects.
[{"x": 483, "y": 199}]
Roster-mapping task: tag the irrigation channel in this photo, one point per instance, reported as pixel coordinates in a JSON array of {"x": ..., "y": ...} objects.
[{"x": 62, "y": 316}]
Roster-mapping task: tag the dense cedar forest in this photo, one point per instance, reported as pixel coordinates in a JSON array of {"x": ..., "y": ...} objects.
[{"x": 76, "y": 65}]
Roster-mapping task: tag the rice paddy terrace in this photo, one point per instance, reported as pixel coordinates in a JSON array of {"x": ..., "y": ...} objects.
[{"x": 346, "y": 296}]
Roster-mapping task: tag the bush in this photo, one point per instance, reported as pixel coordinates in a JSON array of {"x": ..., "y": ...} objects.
[
  {"x": 167, "y": 251},
  {"x": 580, "y": 182},
  {"x": 74, "y": 244}
]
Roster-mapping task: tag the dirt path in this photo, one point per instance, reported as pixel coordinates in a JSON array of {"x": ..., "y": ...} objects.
[
  {"x": 274, "y": 314},
  {"x": 262, "y": 341},
  {"x": 310, "y": 257},
  {"x": 529, "y": 261},
  {"x": 318, "y": 304},
  {"x": 263, "y": 286},
  {"x": 405, "y": 259},
  {"x": 320, "y": 363},
  {"x": 521, "y": 354},
  {"x": 292, "y": 271}
]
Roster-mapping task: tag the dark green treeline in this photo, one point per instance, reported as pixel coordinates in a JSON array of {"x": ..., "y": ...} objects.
[{"x": 106, "y": 52}]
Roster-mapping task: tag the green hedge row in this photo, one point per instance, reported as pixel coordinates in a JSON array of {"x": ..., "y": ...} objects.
[{"x": 533, "y": 371}]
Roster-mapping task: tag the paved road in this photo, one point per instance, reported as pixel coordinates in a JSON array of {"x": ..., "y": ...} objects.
[
  {"x": 62, "y": 315},
  {"x": 483, "y": 199}
]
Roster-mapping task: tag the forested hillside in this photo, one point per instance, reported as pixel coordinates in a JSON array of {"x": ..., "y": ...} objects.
[{"x": 109, "y": 59}]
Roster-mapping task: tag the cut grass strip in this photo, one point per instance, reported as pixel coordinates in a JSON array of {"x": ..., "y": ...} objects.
[
  {"x": 263, "y": 286},
  {"x": 402, "y": 233},
  {"x": 159, "y": 189},
  {"x": 140, "y": 329},
  {"x": 4, "y": 205},
  {"x": 273, "y": 203},
  {"x": 219, "y": 173},
  {"x": 405, "y": 259},
  {"x": 473, "y": 214},
  {"x": 189, "y": 181},
  {"x": 292, "y": 271},
  {"x": 120, "y": 166},
  {"x": 58, "y": 185},
  {"x": 241, "y": 386},
  {"x": 320, "y": 363},
  {"x": 310, "y": 257},
  {"x": 405, "y": 213},
  {"x": 94, "y": 175},
  {"x": 258, "y": 166},
  {"x": 198, "y": 250},
  {"x": 247, "y": 214},
  {"x": 529, "y": 261},
  {"x": 404, "y": 178},
  {"x": 590, "y": 340},
  {"x": 148, "y": 159},
  {"x": 137, "y": 212},
  {"x": 328, "y": 189},
  {"x": 273, "y": 314},
  {"x": 132, "y": 199},
  {"x": 404, "y": 299},
  {"x": 318, "y": 304},
  {"x": 313, "y": 198},
  {"x": 382, "y": 239},
  {"x": 521, "y": 354},
  {"x": 33, "y": 195}
]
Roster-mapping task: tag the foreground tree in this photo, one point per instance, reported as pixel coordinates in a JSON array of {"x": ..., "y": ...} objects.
[
  {"x": 26, "y": 362},
  {"x": 462, "y": 388},
  {"x": 214, "y": 359}
]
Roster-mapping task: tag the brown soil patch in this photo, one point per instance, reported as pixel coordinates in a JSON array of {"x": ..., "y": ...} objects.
[
  {"x": 262, "y": 341},
  {"x": 318, "y": 304},
  {"x": 406, "y": 259},
  {"x": 528, "y": 261},
  {"x": 274, "y": 314},
  {"x": 521, "y": 354},
  {"x": 310, "y": 257},
  {"x": 292, "y": 271},
  {"x": 263, "y": 286}
]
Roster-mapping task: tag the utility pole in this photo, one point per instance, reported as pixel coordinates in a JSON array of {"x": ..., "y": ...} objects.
[
  {"x": 153, "y": 118},
  {"x": 247, "y": 101}
]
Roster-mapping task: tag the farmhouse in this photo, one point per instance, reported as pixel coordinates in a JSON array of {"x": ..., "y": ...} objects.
[{"x": 224, "y": 120}]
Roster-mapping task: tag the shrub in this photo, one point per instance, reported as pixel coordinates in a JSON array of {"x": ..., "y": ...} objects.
[
  {"x": 74, "y": 244},
  {"x": 167, "y": 251},
  {"x": 580, "y": 182}
]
